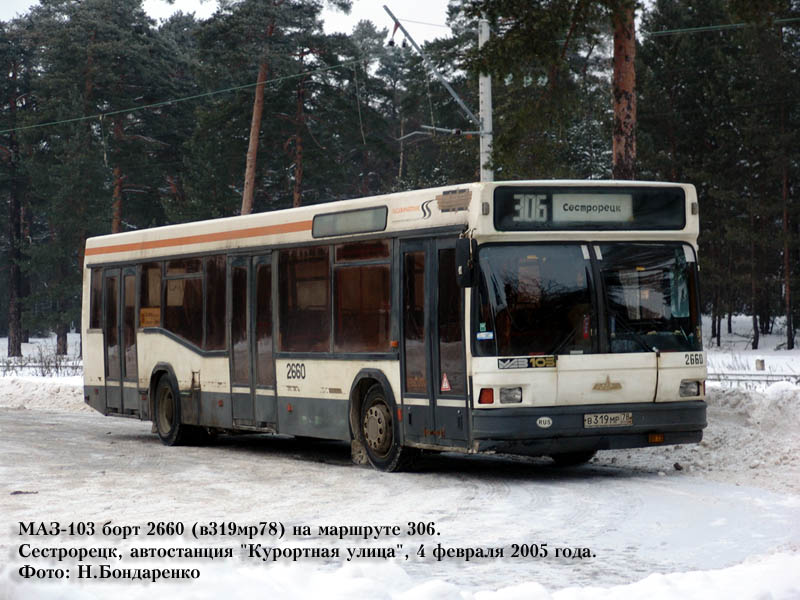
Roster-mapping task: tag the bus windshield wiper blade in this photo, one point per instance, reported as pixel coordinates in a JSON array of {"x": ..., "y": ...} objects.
[{"x": 634, "y": 334}]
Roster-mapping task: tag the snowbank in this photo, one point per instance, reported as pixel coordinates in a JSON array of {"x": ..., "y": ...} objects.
[
  {"x": 62, "y": 394},
  {"x": 751, "y": 438},
  {"x": 778, "y": 406},
  {"x": 776, "y": 577}
]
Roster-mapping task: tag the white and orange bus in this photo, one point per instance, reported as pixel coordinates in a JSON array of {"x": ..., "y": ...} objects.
[{"x": 549, "y": 318}]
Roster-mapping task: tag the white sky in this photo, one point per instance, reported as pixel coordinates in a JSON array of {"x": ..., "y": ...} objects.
[{"x": 424, "y": 19}]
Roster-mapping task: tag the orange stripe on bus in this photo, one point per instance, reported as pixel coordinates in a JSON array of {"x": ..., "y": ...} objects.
[{"x": 202, "y": 238}]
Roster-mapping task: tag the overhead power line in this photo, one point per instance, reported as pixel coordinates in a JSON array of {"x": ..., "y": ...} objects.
[
  {"x": 423, "y": 23},
  {"x": 183, "y": 99},
  {"x": 665, "y": 32},
  {"x": 706, "y": 28}
]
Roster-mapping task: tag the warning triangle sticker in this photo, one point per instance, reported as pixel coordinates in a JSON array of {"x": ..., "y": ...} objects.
[{"x": 445, "y": 383}]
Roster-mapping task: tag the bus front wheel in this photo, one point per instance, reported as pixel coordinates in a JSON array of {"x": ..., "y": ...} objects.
[
  {"x": 168, "y": 413},
  {"x": 379, "y": 432}
]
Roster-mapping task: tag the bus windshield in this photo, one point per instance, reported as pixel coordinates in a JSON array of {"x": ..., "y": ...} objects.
[
  {"x": 535, "y": 299},
  {"x": 541, "y": 299},
  {"x": 651, "y": 297}
]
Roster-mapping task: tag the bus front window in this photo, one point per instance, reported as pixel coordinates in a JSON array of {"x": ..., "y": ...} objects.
[
  {"x": 651, "y": 297},
  {"x": 534, "y": 300}
]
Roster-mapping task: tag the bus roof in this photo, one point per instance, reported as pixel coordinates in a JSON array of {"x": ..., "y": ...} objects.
[{"x": 464, "y": 206}]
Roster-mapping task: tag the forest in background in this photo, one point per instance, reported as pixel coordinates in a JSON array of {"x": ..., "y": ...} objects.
[{"x": 110, "y": 121}]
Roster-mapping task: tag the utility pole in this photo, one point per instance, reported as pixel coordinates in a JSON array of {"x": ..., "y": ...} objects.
[
  {"x": 485, "y": 106},
  {"x": 484, "y": 123}
]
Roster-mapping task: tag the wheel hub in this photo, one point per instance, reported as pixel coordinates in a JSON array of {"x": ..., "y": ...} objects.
[
  {"x": 165, "y": 410},
  {"x": 377, "y": 428}
]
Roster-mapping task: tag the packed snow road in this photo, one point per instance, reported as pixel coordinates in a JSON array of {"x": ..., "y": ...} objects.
[{"x": 635, "y": 517}]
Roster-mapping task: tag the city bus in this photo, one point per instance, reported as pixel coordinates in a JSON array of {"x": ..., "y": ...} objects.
[{"x": 538, "y": 318}]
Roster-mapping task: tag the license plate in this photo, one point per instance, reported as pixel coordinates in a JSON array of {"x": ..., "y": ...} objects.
[{"x": 608, "y": 420}]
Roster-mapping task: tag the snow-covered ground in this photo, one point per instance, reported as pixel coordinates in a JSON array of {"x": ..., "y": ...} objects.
[{"x": 720, "y": 519}]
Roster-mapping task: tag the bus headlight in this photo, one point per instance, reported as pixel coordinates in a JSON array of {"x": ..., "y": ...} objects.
[
  {"x": 689, "y": 389},
  {"x": 510, "y": 395}
]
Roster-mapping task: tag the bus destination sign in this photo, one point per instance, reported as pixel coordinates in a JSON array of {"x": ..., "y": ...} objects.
[
  {"x": 571, "y": 208},
  {"x": 587, "y": 207}
]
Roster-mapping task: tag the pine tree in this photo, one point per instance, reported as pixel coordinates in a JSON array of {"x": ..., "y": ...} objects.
[
  {"x": 92, "y": 58},
  {"x": 15, "y": 59},
  {"x": 545, "y": 54},
  {"x": 717, "y": 110}
]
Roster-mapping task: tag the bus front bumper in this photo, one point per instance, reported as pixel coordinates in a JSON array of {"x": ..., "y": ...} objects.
[{"x": 557, "y": 429}]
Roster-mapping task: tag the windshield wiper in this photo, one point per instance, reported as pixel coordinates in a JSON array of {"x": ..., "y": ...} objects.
[
  {"x": 564, "y": 342},
  {"x": 634, "y": 334}
]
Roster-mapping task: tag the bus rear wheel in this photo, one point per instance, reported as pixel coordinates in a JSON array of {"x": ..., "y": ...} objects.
[
  {"x": 168, "y": 414},
  {"x": 379, "y": 432}
]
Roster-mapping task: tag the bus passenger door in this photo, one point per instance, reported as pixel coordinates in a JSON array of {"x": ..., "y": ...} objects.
[
  {"x": 241, "y": 340},
  {"x": 449, "y": 361},
  {"x": 111, "y": 341},
  {"x": 265, "y": 401},
  {"x": 433, "y": 376},
  {"x": 119, "y": 335},
  {"x": 252, "y": 365}
]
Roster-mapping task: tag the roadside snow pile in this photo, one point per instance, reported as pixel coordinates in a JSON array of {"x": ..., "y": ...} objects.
[
  {"x": 776, "y": 577},
  {"x": 750, "y": 430},
  {"x": 63, "y": 394},
  {"x": 778, "y": 406},
  {"x": 751, "y": 438}
]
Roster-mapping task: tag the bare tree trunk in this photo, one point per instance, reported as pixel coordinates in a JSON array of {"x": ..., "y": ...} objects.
[
  {"x": 14, "y": 235},
  {"x": 402, "y": 149},
  {"x": 756, "y": 332},
  {"x": 252, "y": 147},
  {"x": 787, "y": 265},
  {"x": 753, "y": 283},
  {"x": 714, "y": 309},
  {"x": 14, "y": 257},
  {"x": 624, "y": 90},
  {"x": 176, "y": 187},
  {"x": 119, "y": 179},
  {"x": 26, "y": 221},
  {"x": 116, "y": 204},
  {"x": 61, "y": 339},
  {"x": 300, "y": 119}
]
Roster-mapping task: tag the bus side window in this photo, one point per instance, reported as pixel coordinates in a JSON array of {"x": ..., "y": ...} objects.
[
  {"x": 304, "y": 303},
  {"x": 183, "y": 312},
  {"x": 485, "y": 328},
  {"x": 363, "y": 308},
  {"x": 150, "y": 295},
  {"x": 96, "y": 300}
]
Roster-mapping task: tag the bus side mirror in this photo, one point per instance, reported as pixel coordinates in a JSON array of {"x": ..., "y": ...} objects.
[{"x": 466, "y": 255}]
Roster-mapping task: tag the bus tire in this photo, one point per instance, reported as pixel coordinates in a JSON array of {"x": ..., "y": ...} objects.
[
  {"x": 379, "y": 432},
  {"x": 573, "y": 459},
  {"x": 167, "y": 414}
]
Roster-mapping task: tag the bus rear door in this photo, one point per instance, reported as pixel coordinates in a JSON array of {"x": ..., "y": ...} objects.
[
  {"x": 119, "y": 334},
  {"x": 252, "y": 364}
]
